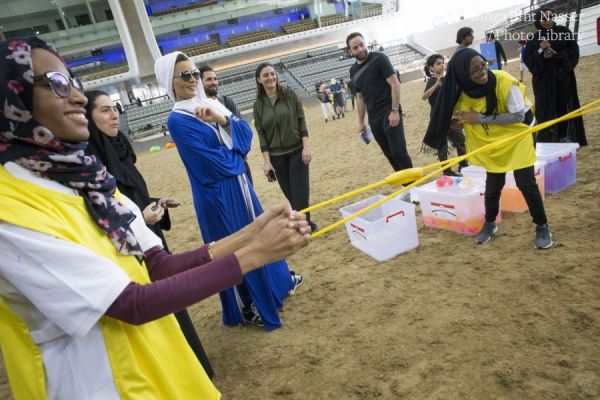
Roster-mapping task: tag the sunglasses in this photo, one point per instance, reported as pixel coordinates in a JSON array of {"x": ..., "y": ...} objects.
[
  {"x": 60, "y": 83},
  {"x": 187, "y": 75},
  {"x": 479, "y": 71}
]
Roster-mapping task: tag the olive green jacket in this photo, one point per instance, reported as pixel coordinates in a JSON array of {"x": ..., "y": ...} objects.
[{"x": 281, "y": 126}]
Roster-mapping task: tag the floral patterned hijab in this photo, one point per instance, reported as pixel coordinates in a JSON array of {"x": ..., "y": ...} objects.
[{"x": 24, "y": 141}]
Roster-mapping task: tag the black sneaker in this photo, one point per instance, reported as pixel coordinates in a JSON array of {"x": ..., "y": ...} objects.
[
  {"x": 486, "y": 233},
  {"x": 543, "y": 237},
  {"x": 449, "y": 172},
  {"x": 298, "y": 280},
  {"x": 251, "y": 316}
]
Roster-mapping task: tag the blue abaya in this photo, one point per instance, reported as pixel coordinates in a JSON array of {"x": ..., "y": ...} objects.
[{"x": 217, "y": 176}]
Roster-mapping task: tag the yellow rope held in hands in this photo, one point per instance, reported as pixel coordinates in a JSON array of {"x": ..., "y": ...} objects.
[{"x": 416, "y": 174}]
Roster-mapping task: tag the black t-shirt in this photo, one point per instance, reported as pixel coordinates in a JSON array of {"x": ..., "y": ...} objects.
[
  {"x": 372, "y": 83},
  {"x": 430, "y": 82}
]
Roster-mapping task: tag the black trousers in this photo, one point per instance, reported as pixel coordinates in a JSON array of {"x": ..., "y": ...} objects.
[
  {"x": 457, "y": 138},
  {"x": 248, "y": 173},
  {"x": 525, "y": 179},
  {"x": 391, "y": 141},
  {"x": 292, "y": 176}
]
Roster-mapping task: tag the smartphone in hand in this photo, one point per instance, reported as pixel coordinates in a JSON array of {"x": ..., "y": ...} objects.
[{"x": 271, "y": 177}]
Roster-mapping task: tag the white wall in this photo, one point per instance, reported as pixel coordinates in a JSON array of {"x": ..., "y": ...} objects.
[
  {"x": 588, "y": 44},
  {"x": 444, "y": 37}
]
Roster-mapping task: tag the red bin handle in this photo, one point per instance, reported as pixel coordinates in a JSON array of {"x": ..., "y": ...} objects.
[{"x": 387, "y": 219}]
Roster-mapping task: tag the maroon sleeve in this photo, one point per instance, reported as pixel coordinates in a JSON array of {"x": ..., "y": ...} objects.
[
  {"x": 138, "y": 304},
  {"x": 161, "y": 264}
]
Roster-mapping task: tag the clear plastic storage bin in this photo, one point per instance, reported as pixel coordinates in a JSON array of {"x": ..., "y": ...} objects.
[{"x": 385, "y": 231}]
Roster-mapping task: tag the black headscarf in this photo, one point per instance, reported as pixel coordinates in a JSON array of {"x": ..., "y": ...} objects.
[
  {"x": 555, "y": 35},
  {"x": 118, "y": 156},
  {"x": 456, "y": 81},
  {"x": 24, "y": 141},
  {"x": 554, "y": 81}
]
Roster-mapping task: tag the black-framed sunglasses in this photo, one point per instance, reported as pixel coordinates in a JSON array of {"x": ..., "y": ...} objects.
[
  {"x": 60, "y": 83},
  {"x": 187, "y": 75}
]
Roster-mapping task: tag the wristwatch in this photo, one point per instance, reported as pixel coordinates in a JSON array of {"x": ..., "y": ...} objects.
[{"x": 395, "y": 110}]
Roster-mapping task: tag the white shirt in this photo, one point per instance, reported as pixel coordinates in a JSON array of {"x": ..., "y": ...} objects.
[{"x": 60, "y": 290}]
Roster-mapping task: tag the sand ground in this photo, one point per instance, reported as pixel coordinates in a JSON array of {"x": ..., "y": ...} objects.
[{"x": 449, "y": 320}]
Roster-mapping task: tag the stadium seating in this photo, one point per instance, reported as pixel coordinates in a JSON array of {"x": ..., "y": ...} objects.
[
  {"x": 299, "y": 26},
  {"x": 147, "y": 120},
  {"x": 188, "y": 7},
  {"x": 245, "y": 38},
  {"x": 86, "y": 77}
]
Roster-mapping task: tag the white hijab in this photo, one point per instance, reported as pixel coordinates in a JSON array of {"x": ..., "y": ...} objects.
[{"x": 164, "y": 68}]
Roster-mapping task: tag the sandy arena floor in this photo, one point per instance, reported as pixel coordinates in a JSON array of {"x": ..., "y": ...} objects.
[{"x": 449, "y": 320}]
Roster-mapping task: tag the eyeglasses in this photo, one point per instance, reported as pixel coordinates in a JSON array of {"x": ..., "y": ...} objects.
[
  {"x": 187, "y": 75},
  {"x": 479, "y": 71},
  {"x": 60, "y": 83}
]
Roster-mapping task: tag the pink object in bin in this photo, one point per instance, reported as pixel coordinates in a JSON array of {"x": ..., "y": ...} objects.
[{"x": 458, "y": 208}]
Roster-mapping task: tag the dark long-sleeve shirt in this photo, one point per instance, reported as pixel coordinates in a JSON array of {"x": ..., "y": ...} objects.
[
  {"x": 280, "y": 126},
  {"x": 178, "y": 281}
]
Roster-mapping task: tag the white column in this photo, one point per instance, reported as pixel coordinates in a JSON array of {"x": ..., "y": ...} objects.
[
  {"x": 90, "y": 11},
  {"x": 125, "y": 37},
  {"x": 147, "y": 30},
  {"x": 62, "y": 15}
]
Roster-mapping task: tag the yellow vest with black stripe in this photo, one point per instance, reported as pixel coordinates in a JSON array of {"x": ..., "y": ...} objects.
[
  {"x": 516, "y": 154},
  {"x": 149, "y": 361}
]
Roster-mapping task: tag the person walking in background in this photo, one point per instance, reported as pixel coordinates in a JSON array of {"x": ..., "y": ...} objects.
[
  {"x": 210, "y": 82},
  {"x": 522, "y": 66},
  {"x": 326, "y": 107},
  {"x": 338, "y": 98},
  {"x": 500, "y": 54},
  {"x": 434, "y": 69},
  {"x": 281, "y": 126},
  {"x": 491, "y": 106},
  {"x": 378, "y": 95},
  {"x": 345, "y": 92},
  {"x": 352, "y": 91},
  {"x": 464, "y": 37},
  {"x": 212, "y": 144},
  {"x": 552, "y": 56},
  {"x": 112, "y": 148}
]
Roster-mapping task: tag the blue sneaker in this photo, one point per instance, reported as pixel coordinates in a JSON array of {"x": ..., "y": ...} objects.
[
  {"x": 487, "y": 232},
  {"x": 543, "y": 237}
]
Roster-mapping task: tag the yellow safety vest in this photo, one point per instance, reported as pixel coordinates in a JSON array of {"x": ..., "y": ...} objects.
[
  {"x": 513, "y": 155},
  {"x": 149, "y": 361}
]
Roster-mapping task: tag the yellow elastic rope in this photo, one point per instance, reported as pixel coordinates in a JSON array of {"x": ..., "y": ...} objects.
[{"x": 443, "y": 165}]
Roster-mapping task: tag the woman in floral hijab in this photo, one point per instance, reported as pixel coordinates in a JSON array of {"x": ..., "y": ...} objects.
[
  {"x": 81, "y": 318},
  {"x": 26, "y": 142}
]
